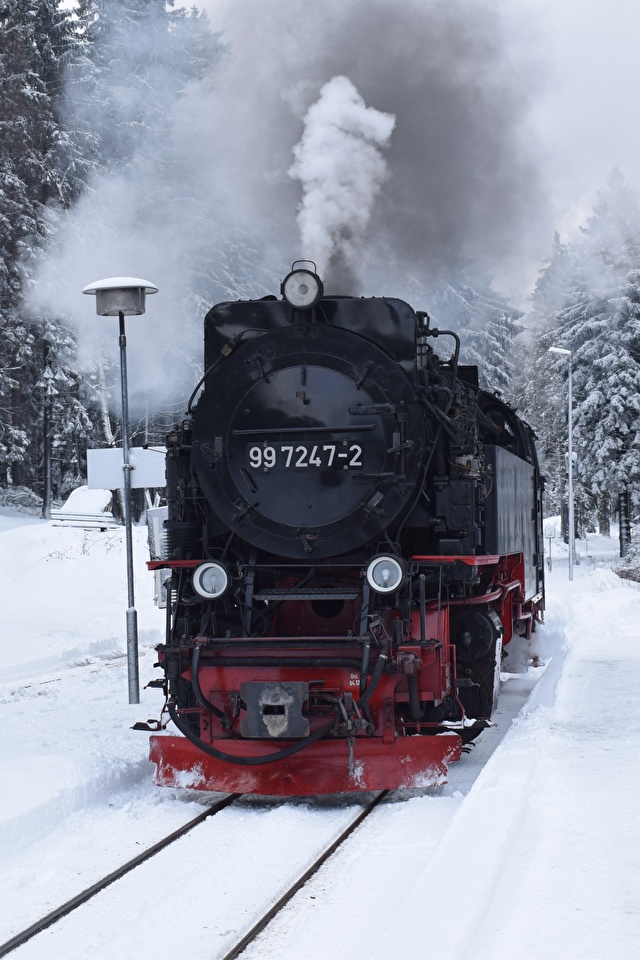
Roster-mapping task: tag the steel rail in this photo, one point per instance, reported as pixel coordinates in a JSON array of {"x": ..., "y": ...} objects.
[
  {"x": 249, "y": 937},
  {"x": 79, "y": 899}
]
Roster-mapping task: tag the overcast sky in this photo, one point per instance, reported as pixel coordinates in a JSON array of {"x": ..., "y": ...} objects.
[{"x": 588, "y": 115}]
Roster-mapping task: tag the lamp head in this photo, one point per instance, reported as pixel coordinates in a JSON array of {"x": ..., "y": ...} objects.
[
  {"x": 302, "y": 288},
  {"x": 120, "y": 295}
]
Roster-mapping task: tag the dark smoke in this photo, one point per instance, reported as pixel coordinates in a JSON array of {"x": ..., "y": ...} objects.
[
  {"x": 210, "y": 213},
  {"x": 461, "y": 181}
]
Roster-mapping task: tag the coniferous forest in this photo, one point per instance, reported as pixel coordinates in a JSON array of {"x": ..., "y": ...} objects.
[
  {"x": 71, "y": 108},
  {"x": 93, "y": 94}
]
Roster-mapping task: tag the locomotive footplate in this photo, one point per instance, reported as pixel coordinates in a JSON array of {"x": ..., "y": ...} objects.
[{"x": 321, "y": 768}]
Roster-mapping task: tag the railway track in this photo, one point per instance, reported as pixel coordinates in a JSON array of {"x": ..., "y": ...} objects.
[
  {"x": 250, "y": 833},
  {"x": 15, "y": 687},
  {"x": 66, "y": 908},
  {"x": 77, "y": 901},
  {"x": 273, "y": 911}
]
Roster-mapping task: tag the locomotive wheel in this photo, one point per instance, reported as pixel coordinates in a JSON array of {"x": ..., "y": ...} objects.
[{"x": 477, "y": 637}]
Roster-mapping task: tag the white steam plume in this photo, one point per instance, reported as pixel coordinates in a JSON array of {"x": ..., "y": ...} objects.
[{"x": 339, "y": 163}]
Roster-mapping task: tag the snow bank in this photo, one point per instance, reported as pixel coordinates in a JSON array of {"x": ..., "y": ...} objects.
[
  {"x": 65, "y": 595},
  {"x": 65, "y": 737}
]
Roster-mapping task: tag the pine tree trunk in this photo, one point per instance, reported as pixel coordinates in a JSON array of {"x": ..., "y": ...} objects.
[
  {"x": 624, "y": 518},
  {"x": 15, "y": 466},
  {"x": 604, "y": 515},
  {"x": 46, "y": 459},
  {"x": 108, "y": 433},
  {"x": 104, "y": 407},
  {"x": 46, "y": 441}
]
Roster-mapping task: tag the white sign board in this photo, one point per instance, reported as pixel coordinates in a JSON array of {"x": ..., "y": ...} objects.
[{"x": 104, "y": 468}]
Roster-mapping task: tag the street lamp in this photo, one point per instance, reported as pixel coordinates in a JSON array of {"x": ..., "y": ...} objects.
[
  {"x": 120, "y": 297},
  {"x": 567, "y": 353}
]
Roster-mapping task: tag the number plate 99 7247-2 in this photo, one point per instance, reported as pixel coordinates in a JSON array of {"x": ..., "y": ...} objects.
[{"x": 347, "y": 456}]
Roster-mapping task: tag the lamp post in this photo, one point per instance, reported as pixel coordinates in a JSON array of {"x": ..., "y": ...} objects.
[
  {"x": 567, "y": 353},
  {"x": 120, "y": 297}
]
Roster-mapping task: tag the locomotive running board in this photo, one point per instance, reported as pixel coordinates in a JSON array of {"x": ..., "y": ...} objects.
[{"x": 321, "y": 768}]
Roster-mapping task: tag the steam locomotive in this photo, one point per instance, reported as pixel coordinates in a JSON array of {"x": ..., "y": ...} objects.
[{"x": 354, "y": 535}]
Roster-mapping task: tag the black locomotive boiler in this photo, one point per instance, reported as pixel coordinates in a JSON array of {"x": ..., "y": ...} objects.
[{"x": 354, "y": 535}]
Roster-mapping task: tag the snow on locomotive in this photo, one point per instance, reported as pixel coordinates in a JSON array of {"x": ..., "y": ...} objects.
[{"x": 353, "y": 537}]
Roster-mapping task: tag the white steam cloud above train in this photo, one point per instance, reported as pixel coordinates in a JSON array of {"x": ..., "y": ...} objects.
[{"x": 341, "y": 168}]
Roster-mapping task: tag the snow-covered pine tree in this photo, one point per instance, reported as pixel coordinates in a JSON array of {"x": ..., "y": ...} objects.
[
  {"x": 122, "y": 67},
  {"x": 55, "y": 115},
  {"x": 141, "y": 54},
  {"x": 608, "y": 373},
  {"x": 142, "y": 57},
  {"x": 36, "y": 42},
  {"x": 486, "y": 323},
  {"x": 540, "y": 389},
  {"x": 67, "y": 427},
  {"x": 587, "y": 300}
]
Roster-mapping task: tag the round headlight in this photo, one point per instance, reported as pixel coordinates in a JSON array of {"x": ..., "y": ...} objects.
[
  {"x": 302, "y": 289},
  {"x": 385, "y": 574},
  {"x": 210, "y": 580}
]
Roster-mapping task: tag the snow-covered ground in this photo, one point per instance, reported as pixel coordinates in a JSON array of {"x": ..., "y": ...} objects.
[{"x": 538, "y": 858}]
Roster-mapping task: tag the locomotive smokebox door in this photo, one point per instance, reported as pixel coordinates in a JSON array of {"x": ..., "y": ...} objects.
[
  {"x": 320, "y": 444},
  {"x": 274, "y": 709}
]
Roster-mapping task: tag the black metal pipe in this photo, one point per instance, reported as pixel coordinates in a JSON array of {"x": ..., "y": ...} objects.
[
  {"x": 197, "y": 689},
  {"x": 375, "y": 679},
  {"x": 364, "y": 666},
  {"x": 423, "y": 614},
  {"x": 303, "y": 644},
  {"x": 414, "y": 697},
  {"x": 381, "y": 662}
]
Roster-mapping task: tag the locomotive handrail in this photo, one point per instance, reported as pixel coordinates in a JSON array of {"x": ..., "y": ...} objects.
[
  {"x": 265, "y": 432},
  {"x": 469, "y": 601},
  {"x": 471, "y": 560},
  {"x": 178, "y": 564},
  {"x": 273, "y": 643},
  {"x": 226, "y": 350},
  {"x": 434, "y": 332},
  {"x": 510, "y": 585},
  {"x": 499, "y": 593},
  {"x": 268, "y": 661}
]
